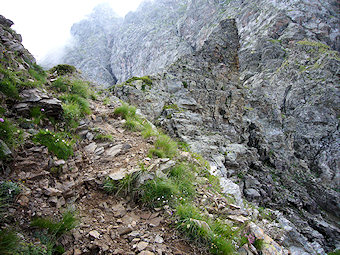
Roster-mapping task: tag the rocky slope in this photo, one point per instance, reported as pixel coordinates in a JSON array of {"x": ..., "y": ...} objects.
[
  {"x": 65, "y": 148},
  {"x": 254, "y": 87}
]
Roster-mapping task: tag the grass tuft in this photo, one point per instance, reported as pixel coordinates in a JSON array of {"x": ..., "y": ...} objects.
[
  {"x": 125, "y": 111},
  {"x": 8, "y": 242},
  {"x": 57, "y": 228},
  {"x": 55, "y": 142},
  {"x": 164, "y": 147}
]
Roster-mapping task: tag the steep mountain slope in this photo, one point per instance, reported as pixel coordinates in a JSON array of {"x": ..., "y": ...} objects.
[
  {"x": 84, "y": 173},
  {"x": 254, "y": 87}
]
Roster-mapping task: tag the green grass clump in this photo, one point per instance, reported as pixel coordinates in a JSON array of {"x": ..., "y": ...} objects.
[
  {"x": 164, "y": 147},
  {"x": 9, "y": 134},
  {"x": 38, "y": 73},
  {"x": 51, "y": 231},
  {"x": 146, "y": 81},
  {"x": 81, "y": 88},
  {"x": 13, "y": 82},
  {"x": 8, "y": 84},
  {"x": 55, "y": 142},
  {"x": 159, "y": 191},
  {"x": 124, "y": 186},
  {"x": 9, "y": 191},
  {"x": 147, "y": 130},
  {"x": 81, "y": 102},
  {"x": 212, "y": 233},
  {"x": 57, "y": 228},
  {"x": 37, "y": 114},
  {"x": 104, "y": 137},
  {"x": 133, "y": 124},
  {"x": 336, "y": 252},
  {"x": 61, "y": 84},
  {"x": 63, "y": 69},
  {"x": 8, "y": 242},
  {"x": 126, "y": 111}
]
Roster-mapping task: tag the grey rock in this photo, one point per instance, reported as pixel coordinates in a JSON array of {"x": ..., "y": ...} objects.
[
  {"x": 5, "y": 22},
  {"x": 4, "y": 149},
  {"x": 36, "y": 98},
  {"x": 252, "y": 194},
  {"x": 91, "y": 147}
]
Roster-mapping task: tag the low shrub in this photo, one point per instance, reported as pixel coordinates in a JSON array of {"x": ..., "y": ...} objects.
[
  {"x": 55, "y": 142},
  {"x": 63, "y": 69}
]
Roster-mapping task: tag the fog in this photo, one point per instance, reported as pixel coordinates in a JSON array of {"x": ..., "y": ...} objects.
[{"x": 45, "y": 24}]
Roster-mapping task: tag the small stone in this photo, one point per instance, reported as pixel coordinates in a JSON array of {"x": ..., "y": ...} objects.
[
  {"x": 146, "y": 253},
  {"x": 159, "y": 239},
  {"x": 238, "y": 218},
  {"x": 77, "y": 252},
  {"x": 89, "y": 136},
  {"x": 124, "y": 230},
  {"x": 142, "y": 245},
  {"x": 95, "y": 234},
  {"x": 52, "y": 192},
  {"x": 155, "y": 222},
  {"x": 59, "y": 162},
  {"x": 91, "y": 147}
]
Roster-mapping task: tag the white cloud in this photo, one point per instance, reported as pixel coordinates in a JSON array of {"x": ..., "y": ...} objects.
[{"x": 45, "y": 24}]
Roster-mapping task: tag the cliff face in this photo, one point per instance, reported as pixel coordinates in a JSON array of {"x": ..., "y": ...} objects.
[{"x": 252, "y": 85}]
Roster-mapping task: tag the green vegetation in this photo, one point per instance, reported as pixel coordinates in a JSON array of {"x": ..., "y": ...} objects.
[
  {"x": 106, "y": 101},
  {"x": 104, "y": 137},
  {"x": 55, "y": 142},
  {"x": 313, "y": 44},
  {"x": 213, "y": 233},
  {"x": 164, "y": 147},
  {"x": 124, "y": 186},
  {"x": 13, "y": 82},
  {"x": 146, "y": 81},
  {"x": 63, "y": 69},
  {"x": 61, "y": 84},
  {"x": 125, "y": 111},
  {"x": 37, "y": 114},
  {"x": 38, "y": 73},
  {"x": 9, "y": 134},
  {"x": 133, "y": 121},
  {"x": 185, "y": 84},
  {"x": 171, "y": 106},
  {"x": 75, "y": 99},
  {"x": 8, "y": 242},
  {"x": 9, "y": 191},
  {"x": 336, "y": 252},
  {"x": 51, "y": 230}
]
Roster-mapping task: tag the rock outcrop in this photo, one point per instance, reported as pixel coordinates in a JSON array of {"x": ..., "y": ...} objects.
[{"x": 254, "y": 87}]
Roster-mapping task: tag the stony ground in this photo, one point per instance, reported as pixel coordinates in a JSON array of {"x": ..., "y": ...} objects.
[{"x": 109, "y": 224}]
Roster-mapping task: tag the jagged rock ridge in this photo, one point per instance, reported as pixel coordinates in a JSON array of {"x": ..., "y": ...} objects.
[{"x": 266, "y": 116}]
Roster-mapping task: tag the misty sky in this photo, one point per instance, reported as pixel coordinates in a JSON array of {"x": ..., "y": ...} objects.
[{"x": 45, "y": 24}]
